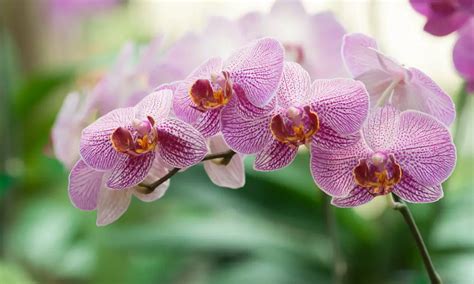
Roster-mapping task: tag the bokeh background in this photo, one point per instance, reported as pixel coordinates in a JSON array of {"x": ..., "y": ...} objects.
[{"x": 274, "y": 230}]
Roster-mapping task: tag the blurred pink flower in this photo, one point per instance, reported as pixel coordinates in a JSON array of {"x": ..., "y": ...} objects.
[{"x": 463, "y": 54}]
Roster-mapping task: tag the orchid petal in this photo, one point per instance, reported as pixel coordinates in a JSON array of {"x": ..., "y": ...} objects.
[
  {"x": 209, "y": 123},
  {"x": 381, "y": 128},
  {"x": 179, "y": 144},
  {"x": 294, "y": 86},
  {"x": 130, "y": 171},
  {"x": 96, "y": 147},
  {"x": 157, "y": 105},
  {"x": 111, "y": 205},
  {"x": 84, "y": 185},
  {"x": 358, "y": 196},
  {"x": 274, "y": 156},
  {"x": 158, "y": 170},
  {"x": 257, "y": 69},
  {"x": 412, "y": 191}
]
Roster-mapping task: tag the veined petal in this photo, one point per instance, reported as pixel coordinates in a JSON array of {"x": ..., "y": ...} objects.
[
  {"x": 244, "y": 135},
  {"x": 424, "y": 148},
  {"x": 231, "y": 175},
  {"x": 330, "y": 139},
  {"x": 130, "y": 170},
  {"x": 274, "y": 156},
  {"x": 381, "y": 128},
  {"x": 412, "y": 191},
  {"x": 157, "y": 105},
  {"x": 209, "y": 122},
  {"x": 158, "y": 170},
  {"x": 247, "y": 110},
  {"x": 179, "y": 144},
  {"x": 294, "y": 87},
  {"x": 341, "y": 104},
  {"x": 96, "y": 147},
  {"x": 332, "y": 167},
  {"x": 358, "y": 196},
  {"x": 183, "y": 106},
  {"x": 84, "y": 185},
  {"x": 257, "y": 69},
  {"x": 112, "y": 204},
  {"x": 423, "y": 94}
]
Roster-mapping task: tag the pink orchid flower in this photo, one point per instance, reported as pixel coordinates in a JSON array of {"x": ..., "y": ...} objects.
[
  {"x": 301, "y": 114},
  {"x": 254, "y": 70},
  {"x": 408, "y": 153},
  {"x": 463, "y": 55},
  {"x": 387, "y": 80},
  {"x": 126, "y": 141}
]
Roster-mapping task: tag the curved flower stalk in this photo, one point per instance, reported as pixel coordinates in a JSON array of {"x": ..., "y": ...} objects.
[
  {"x": 444, "y": 16},
  {"x": 312, "y": 40},
  {"x": 87, "y": 191},
  {"x": 301, "y": 114},
  {"x": 126, "y": 141},
  {"x": 125, "y": 84},
  {"x": 388, "y": 81},
  {"x": 406, "y": 153},
  {"x": 463, "y": 55},
  {"x": 254, "y": 70},
  {"x": 230, "y": 174}
]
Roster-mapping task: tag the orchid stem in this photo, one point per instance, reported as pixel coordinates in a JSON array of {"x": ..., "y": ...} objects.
[
  {"x": 149, "y": 188},
  {"x": 339, "y": 264},
  {"x": 400, "y": 206}
]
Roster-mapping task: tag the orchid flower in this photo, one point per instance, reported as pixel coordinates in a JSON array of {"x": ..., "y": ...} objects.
[
  {"x": 126, "y": 141},
  {"x": 408, "y": 153},
  {"x": 301, "y": 114},
  {"x": 221, "y": 173},
  {"x": 387, "y": 80},
  {"x": 87, "y": 191},
  {"x": 253, "y": 70},
  {"x": 463, "y": 55},
  {"x": 444, "y": 16}
]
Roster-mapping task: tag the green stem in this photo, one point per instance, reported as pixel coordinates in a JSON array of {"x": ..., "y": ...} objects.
[
  {"x": 339, "y": 264},
  {"x": 400, "y": 206}
]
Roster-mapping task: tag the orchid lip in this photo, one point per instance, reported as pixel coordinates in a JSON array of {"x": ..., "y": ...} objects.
[
  {"x": 379, "y": 174},
  {"x": 213, "y": 93},
  {"x": 296, "y": 126},
  {"x": 140, "y": 139}
]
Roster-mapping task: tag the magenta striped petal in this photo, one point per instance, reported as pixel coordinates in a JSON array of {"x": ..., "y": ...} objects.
[
  {"x": 358, "y": 196},
  {"x": 179, "y": 144},
  {"x": 274, "y": 156},
  {"x": 183, "y": 106},
  {"x": 326, "y": 137},
  {"x": 156, "y": 105},
  {"x": 245, "y": 135},
  {"x": 157, "y": 171},
  {"x": 294, "y": 87},
  {"x": 231, "y": 175},
  {"x": 111, "y": 205},
  {"x": 96, "y": 147},
  {"x": 341, "y": 104},
  {"x": 209, "y": 123},
  {"x": 257, "y": 68},
  {"x": 130, "y": 171},
  {"x": 412, "y": 191},
  {"x": 424, "y": 148},
  {"x": 246, "y": 109},
  {"x": 381, "y": 128},
  {"x": 423, "y": 94},
  {"x": 332, "y": 167},
  {"x": 84, "y": 185}
]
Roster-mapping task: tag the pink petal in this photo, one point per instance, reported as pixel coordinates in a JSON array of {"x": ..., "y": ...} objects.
[
  {"x": 247, "y": 110},
  {"x": 359, "y": 53},
  {"x": 274, "y": 156},
  {"x": 463, "y": 56},
  {"x": 423, "y": 94},
  {"x": 96, "y": 147},
  {"x": 179, "y": 144},
  {"x": 209, "y": 123},
  {"x": 111, "y": 205},
  {"x": 150, "y": 55},
  {"x": 231, "y": 175},
  {"x": 244, "y": 135},
  {"x": 294, "y": 87},
  {"x": 257, "y": 69},
  {"x": 421, "y": 6},
  {"x": 157, "y": 105},
  {"x": 358, "y": 196},
  {"x": 424, "y": 148},
  {"x": 381, "y": 128},
  {"x": 412, "y": 191},
  {"x": 157, "y": 171},
  {"x": 376, "y": 82},
  {"x": 130, "y": 171},
  {"x": 441, "y": 25},
  {"x": 183, "y": 106},
  {"x": 84, "y": 185},
  {"x": 326, "y": 137},
  {"x": 332, "y": 167},
  {"x": 341, "y": 104}
]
